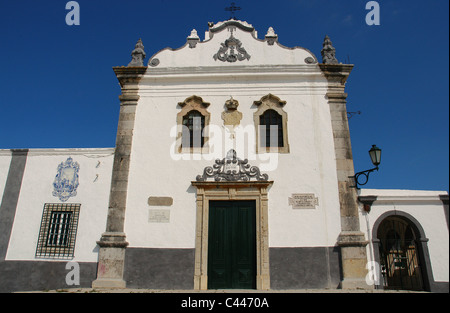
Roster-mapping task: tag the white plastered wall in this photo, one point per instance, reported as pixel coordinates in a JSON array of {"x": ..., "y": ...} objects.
[
  {"x": 308, "y": 168},
  {"x": 427, "y": 208},
  {"x": 5, "y": 161},
  {"x": 36, "y": 190}
]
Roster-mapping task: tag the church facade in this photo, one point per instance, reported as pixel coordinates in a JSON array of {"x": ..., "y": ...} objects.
[{"x": 232, "y": 170}]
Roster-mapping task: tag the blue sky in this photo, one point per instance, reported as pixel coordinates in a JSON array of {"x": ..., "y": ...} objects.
[{"x": 58, "y": 89}]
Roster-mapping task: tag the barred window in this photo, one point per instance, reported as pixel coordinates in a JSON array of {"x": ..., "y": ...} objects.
[{"x": 58, "y": 231}]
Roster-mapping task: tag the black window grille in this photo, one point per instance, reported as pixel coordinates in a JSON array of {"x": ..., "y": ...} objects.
[
  {"x": 271, "y": 125},
  {"x": 58, "y": 231},
  {"x": 194, "y": 124}
]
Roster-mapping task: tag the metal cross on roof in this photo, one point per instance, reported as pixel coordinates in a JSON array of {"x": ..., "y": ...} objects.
[{"x": 233, "y": 8}]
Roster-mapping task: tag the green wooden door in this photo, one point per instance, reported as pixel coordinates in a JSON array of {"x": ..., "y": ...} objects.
[{"x": 232, "y": 245}]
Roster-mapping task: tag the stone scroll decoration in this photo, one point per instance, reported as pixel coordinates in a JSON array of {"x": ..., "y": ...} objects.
[
  {"x": 232, "y": 169},
  {"x": 231, "y": 51}
]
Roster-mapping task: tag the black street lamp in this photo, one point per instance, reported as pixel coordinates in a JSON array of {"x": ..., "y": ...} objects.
[{"x": 375, "y": 156}]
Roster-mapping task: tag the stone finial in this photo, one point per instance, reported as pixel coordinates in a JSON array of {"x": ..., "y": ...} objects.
[
  {"x": 328, "y": 52},
  {"x": 271, "y": 33},
  {"x": 194, "y": 34},
  {"x": 193, "y": 39},
  {"x": 138, "y": 55},
  {"x": 271, "y": 37}
]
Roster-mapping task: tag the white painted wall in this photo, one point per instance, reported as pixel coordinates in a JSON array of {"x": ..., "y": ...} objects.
[
  {"x": 5, "y": 160},
  {"x": 260, "y": 53},
  {"x": 427, "y": 209},
  {"x": 308, "y": 168},
  {"x": 37, "y": 188}
]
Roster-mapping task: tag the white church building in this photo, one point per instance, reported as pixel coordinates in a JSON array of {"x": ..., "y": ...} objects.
[{"x": 232, "y": 169}]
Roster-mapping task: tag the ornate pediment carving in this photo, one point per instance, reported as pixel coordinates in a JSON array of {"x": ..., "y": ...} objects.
[
  {"x": 232, "y": 169},
  {"x": 231, "y": 50},
  {"x": 270, "y": 98},
  {"x": 194, "y": 101}
]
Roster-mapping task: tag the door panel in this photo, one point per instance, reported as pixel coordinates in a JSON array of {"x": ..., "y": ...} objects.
[
  {"x": 232, "y": 245},
  {"x": 219, "y": 244}
]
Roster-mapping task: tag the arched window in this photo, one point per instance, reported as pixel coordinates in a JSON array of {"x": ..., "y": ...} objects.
[
  {"x": 193, "y": 122},
  {"x": 271, "y": 129},
  {"x": 271, "y": 125},
  {"x": 193, "y": 126}
]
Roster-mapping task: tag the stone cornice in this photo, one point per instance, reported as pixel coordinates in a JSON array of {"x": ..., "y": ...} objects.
[
  {"x": 383, "y": 196},
  {"x": 239, "y": 74},
  {"x": 127, "y": 75},
  {"x": 113, "y": 240},
  {"x": 100, "y": 152},
  {"x": 336, "y": 69},
  {"x": 336, "y": 75},
  {"x": 299, "y": 69},
  {"x": 419, "y": 199},
  {"x": 352, "y": 239},
  {"x": 129, "y": 78},
  {"x": 227, "y": 184}
]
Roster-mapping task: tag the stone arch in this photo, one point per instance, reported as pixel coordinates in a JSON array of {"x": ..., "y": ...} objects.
[{"x": 421, "y": 240}]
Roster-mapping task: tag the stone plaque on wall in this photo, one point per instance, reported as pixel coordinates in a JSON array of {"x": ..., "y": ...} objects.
[
  {"x": 160, "y": 201},
  {"x": 159, "y": 216},
  {"x": 303, "y": 201}
]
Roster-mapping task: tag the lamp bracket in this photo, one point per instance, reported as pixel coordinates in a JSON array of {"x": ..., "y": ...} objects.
[{"x": 364, "y": 175}]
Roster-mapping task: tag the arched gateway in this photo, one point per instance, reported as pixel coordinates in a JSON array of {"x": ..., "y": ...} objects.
[{"x": 400, "y": 247}]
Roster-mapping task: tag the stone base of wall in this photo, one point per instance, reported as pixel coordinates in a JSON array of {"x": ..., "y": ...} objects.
[
  {"x": 290, "y": 268},
  {"x": 42, "y": 275},
  {"x": 159, "y": 268},
  {"x": 305, "y": 268}
]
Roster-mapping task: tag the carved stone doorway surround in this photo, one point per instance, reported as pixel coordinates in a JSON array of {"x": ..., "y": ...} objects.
[{"x": 228, "y": 191}]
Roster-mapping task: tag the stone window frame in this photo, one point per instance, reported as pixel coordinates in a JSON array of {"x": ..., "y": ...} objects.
[
  {"x": 228, "y": 191},
  {"x": 190, "y": 104},
  {"x": 274, "y": 103}
]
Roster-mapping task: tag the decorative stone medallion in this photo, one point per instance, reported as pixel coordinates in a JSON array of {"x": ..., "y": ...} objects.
[{"x": 231, "y": 117}]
